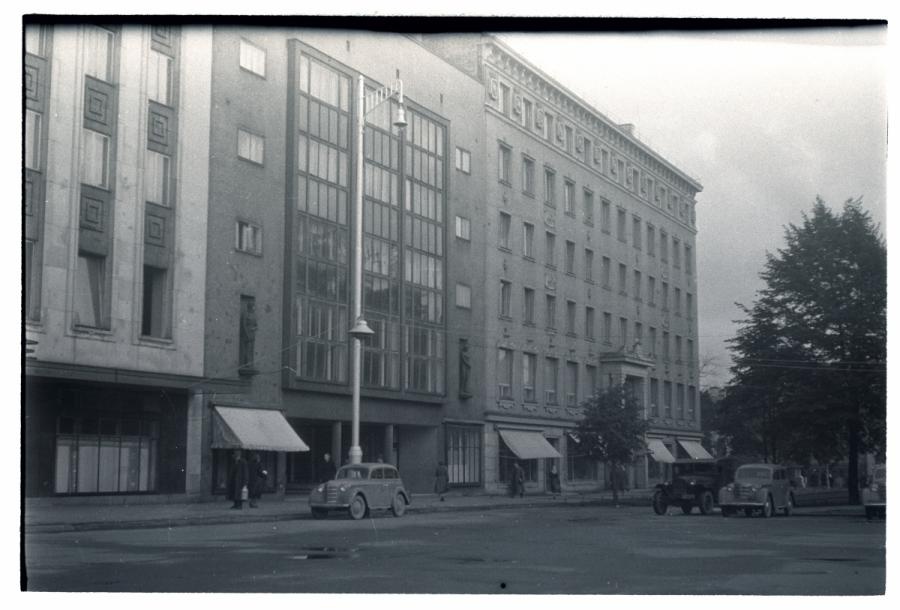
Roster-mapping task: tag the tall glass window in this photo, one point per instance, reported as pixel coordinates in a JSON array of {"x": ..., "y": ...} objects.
[
  {"x": 94, "y": 159},
  {"x": 159, "y": 77},
  {"x": 529, "y": 373},
  {"x": 463, "y": 452},
  {"x": 156, "y": 178},
  {"x": 98, "y": 52},
  {"x": 32, "y": 140},
  {"x": 504, "y": 372}
]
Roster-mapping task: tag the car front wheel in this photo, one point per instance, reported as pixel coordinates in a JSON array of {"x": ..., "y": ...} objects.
[
  {"x": 398, "y": 505},
  {"x": 357, "y": 508},
  {"x": 767, "y": 509},
  {"x": 705, "y": 502},
  {"x": 659, "y": 503}
]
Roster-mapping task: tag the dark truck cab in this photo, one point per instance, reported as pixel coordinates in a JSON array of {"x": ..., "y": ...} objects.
[{"x": 693, "y": 483}]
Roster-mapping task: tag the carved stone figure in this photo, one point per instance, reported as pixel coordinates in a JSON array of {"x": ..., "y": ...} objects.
[{"x": 465, "y": 367}]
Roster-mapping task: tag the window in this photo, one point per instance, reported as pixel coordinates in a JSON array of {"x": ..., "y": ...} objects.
[
  {"x": 592, "y": 378},
  {"x": 589, "y": 323},
  {"x": 620, "y": 171},
  {"x": 651, "y": 240},
  {"x": 247, "y": 237},
  {"x": 251, "y": 146},
  {"x": 623, "y": 273},
  {"x": 677, "y": 301},
  {"x": 664, "y": 296},
  {"x": 551, "y": 376},
  {"x": 588, "y": 207},
  {"x": 551, "y": 311},
  {"x": 570, "y": 317},
  {"x": 570, "y": 257},
  {"x": 550, "y": 187},
  {"x": 548, "y": 127},
  {"x": 650, "y": 186},
  {"x": 253, "y": 58},
  {"x": 503, "y": 230},
  {"x": 607, "y": 327},
  {"x": 90, "y": 291},
  {"x": 688, "y": 259},
  {"x": 32, "y": 140},
  {"x": 588, "y": 265},
  {"x": 667, "y": 398},
  {"x": 154, "y": 321},
  {"x": 503, "y": 160},
  {"x": 636, "y": 285},
  {"x": 504, "y": 372},
  {"x": 159, "y": 77},
  {"x": 569, "y": 197},
  {"x": 579, "y": 465},
  {"x": 550, "y": 251},
  {"x": 156, "y": 178},
  {"x": 504, "y": 99},
  {"x": 463, "y": 160},
  {"x": 620, "y": 225},
  {"x": 689, "y": 305},
  {"x": 605, "y": 265},
  {"x": 528, "y": 240},
  {"x": 651, "y": 290},
  {"x": 638, "y": 333},
  {"x": 571, "y": 384},
  {"x": 528, "y": 176},
  {"x": 505, "y": 294},
  {"x": 529, "y": 373},
  {"x": 654, "y": 397},
  {"x": 691, "y": 404},
  {"x": 635, "y": 180},
  {"x": 528, "y": 305},
  {"x": 34, "y": 39},
  {"x": 678, "y": 349},
  {"x": 676, "y": 253},
  {"x": 623, "y": 333},
  {"x": 588, "y": 149},
  {"x": 527, "y": 113},
  {"x": 690, "y": 353},
  {"x": 95, "y": 159},
  {"x": 462, "y": 445},
  {"x": 505, "y": 460},
  {"x": 604, "y": 161},
  {"x": 463, "y": 296},
  {"x": 665, "y": 345},
  {"x": 663, "y": 247},
  {"x": 636, "y": 232},
  {"x": 570, "y": 140},
  {"x": 605, "y": 216},
  {"x": 98, "y": 53},
  {"x": 679, "y": 401},
  {"x": 463, "y": 228},
  {"x": 651, "y": 342}
]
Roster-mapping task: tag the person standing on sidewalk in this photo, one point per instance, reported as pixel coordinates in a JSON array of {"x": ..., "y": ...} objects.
[
  {"x": 441, "y": 480},
  {"x": 258, "y": 476},
  {"x": 554, "y": 479},
  {"x": 518, "y": 480},
  {"x": 238, "y": 478},
  {"x": 327, "y": 470}
]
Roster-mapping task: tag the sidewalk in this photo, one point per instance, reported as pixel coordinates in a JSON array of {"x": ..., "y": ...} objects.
[{"x": 49, "y": 515}]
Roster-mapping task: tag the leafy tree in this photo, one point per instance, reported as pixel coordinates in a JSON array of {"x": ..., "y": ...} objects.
[
  {"x": 809, "y": 360},
  {"x": 613, "y": 429}
]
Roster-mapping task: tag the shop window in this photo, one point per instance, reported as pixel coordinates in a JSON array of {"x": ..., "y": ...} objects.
[
  {"x": 579, "y": 465},
  {"x": 506, "y": 460},
  {"x": 462, "y": 448},
  {"x": 223, "y": 458}
]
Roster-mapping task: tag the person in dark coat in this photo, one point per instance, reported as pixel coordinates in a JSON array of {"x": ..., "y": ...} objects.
[
  {"x": 258, "y": 476},
  {"x": 554, "y": 479},
  {"x": 518, "y": 480},
  {"x": 327, "y": 469},
  {"x": 441, "y": 480},
  {"x": 238, "y": 478}
]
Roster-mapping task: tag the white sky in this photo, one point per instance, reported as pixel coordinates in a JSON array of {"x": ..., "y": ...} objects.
[{"x": 765, "y": 120}]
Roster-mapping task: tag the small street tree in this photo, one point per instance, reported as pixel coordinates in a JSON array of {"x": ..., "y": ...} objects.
[{"x": 612, "y": 430}]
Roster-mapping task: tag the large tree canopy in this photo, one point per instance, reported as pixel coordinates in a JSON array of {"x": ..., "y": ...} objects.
[{"x": 809, "y": 359}]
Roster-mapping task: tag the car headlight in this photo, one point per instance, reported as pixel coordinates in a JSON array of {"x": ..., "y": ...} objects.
[
  {"x": 320, "y": 488},
  {"x": 729, "y": 487},
  {"x": 343, "y": 489}
]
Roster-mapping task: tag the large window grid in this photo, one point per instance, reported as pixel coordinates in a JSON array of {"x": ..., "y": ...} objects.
[{"x": 463, "y": 453}]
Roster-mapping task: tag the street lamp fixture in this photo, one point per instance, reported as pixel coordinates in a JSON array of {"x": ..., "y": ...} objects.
[{"x": 366, "y": 103}]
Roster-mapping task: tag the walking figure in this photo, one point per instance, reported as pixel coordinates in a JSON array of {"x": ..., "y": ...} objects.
[
  {"x": 238, "y": 478},
  {"x": 441, "y": 480}
]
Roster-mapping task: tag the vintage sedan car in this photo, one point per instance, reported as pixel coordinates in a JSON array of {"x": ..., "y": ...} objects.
[
  {"x": 874, "y": 495},
  {"x": 359, "y": 488},
  {"x": 693, "y": 483},
  {"x": 763, "y": 488}
]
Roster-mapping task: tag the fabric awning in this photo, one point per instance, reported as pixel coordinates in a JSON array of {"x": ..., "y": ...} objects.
[
  {"x": 255, "y": 429},
  {"x": 695, "y": 450},
  {"x": 528, "y": 445},
  {"x": 659, "y": 451}
]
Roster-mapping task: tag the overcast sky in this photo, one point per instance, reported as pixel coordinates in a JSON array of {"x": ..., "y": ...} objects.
[{"x": 766, "y": 121}]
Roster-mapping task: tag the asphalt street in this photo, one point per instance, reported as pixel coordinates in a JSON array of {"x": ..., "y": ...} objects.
[{"x": 581, "y": 550}]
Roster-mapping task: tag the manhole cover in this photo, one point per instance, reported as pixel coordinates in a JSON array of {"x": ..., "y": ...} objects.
[{"x": 325, "y": 552}]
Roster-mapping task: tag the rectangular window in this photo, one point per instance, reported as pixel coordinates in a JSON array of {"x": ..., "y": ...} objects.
[
  {"x": 605, "y": 219},
  {"x": 651, "y": 185},
  {"x": 623, "y": 333},
  {"x": 570, "y": 317},
  {"x": 548, "y": 127},
  {"x": 651, "y": 290},
  {"x": 505, "y": 297},
  {"x": 588, "y": 149},
  {"x": 691, "y": 402},
  {"x": 571, "y": 384},
  {"x": 550, "y": 187},
  {"x": 463, "y": 296},
  {"x": 689, "y": 305},
  {"x": 529, "y": 373},
  {"x": 664, "y": 296},
  {"x": 651, "y": 240},
  {"x": 690, "y": 353},
  {"x": 665, "y": 345},
  {"x": 569, "y": 144},
  {"x": 250, "y": 146},
  {"x": 678, "y": 349},
  {"x": 663, "y": 247},
  {"x": 677, "y": 301},
  {"x": 528, "y": 305},
  {"x": 635, "y": 180},
  {"x": 620, "y": 225},
  {"x": 605, "y": 265},
  {"x": 90, "y": 291},
  {"x": 156, "y": 178},
  {"x": 32, "y": 140},
  {"x": 463, "y": 228},
  {"x": 579, "y": 464},
  {"x": 503, "y": 230},
  {"x": 551, "y": 380},
  {"x": 638, "y": 333},
  {"x": 551, "y": 311},
  {"x": 247, "y": 237},
  {"x": 528, "y": 176},
  {"x": 623, "y": 279},
  {"x": 463, "y": 160},
  {"x": 676, "y": 253},
  {"x": 159, "y": 77},
  {"x": 463, "y": 454},
  {"x": 589, "y": 323},
  {"x": 95, "y": 159},
  {"x": 527, "y": 113},
  {"x": 33, "y": 39},
  {"x": 604, "y": 161},
  {"x": 592, "y": 378},
  {"x": 504, "y": 372},
  {"x": 589, "y": 265},
  {"x": 607, "y": 327},
  {"x": 504, "y": 154},
  {"x": 636, "y": 285},
  {"x": 620, "y": 171},
  {"x": 550, "y": 250},
  {"x": 588, "y": 207},
  {"x": 679, "y": 401},
  {"x": 528, "y": 240},
  {"x": 688, "y": 259},
  {"x": 98, "y": 53},
  {"x": 654, "y": 397},
  {"x": 504, "y": 99},
  {"x": 570, "y": 257},
  {"x": 569, "y": 197},
  {"x": 154, "y": 321},
  {"x": 667, "y": 398},
  {"x": 651, "y": 342},
  {"x": 253, "y": 58},
  {"x": 636, "y": 232}
]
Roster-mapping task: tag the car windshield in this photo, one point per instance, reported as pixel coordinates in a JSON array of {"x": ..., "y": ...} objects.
[
  {"x": 755, "y": 474},
  {"x": 352, "y": 472}
]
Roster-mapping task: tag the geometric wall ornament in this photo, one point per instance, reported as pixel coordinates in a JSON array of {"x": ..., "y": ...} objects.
[
  {"x": 161, "y": 35},
  {"x": 155, "y": 230},
  {"x": 158, "y": 131},
  {"x": 29, "y": 195},
  {"x": 32, "y": 82},
  {"x": 97, "y": 105},
  {"x": 91, "y": 215}
]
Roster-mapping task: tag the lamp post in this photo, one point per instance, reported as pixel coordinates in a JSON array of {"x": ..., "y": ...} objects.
[{"x": 365, "y": 105}]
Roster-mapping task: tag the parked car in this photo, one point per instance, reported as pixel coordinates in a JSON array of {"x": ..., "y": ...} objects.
[
  {"x": 765, "y": 488},
  {"x": 694, "y": 483},
  {"x": 360, "y": 488},
  {"x": 874, "y": 495}
]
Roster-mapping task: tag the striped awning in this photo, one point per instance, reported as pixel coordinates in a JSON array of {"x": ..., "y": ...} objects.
[
  {"x": 254, "y": 429},
  {"x": 659, "y": 451},
  {"x": 695, "y": 450},
  {"x": 528, "y": 445}
]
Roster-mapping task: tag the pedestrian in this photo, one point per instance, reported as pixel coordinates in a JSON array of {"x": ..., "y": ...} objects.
[
  {"x": 441, "y": 480},
  {"x": 238, "y": 477},
  {"x": 258, "y": 476},
  {"x": 554, "y": 479},
  {"x": 327, "y": 469},
  {"x": 519, "y": 478}
]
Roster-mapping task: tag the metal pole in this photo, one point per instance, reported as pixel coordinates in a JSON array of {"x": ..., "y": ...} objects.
[{"x": 355, "y": 449}]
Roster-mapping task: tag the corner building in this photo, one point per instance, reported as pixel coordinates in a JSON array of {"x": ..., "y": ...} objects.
[{"x": 590, "y": 275}]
